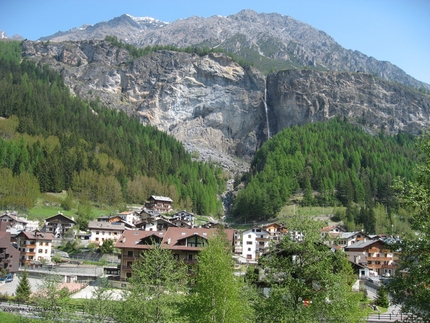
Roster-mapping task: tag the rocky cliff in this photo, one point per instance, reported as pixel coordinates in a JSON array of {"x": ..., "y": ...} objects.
[
  {"x": 218, "y": 108},
  {"x": 212, "y": 104},
  {"x": 298, "y": 97}
]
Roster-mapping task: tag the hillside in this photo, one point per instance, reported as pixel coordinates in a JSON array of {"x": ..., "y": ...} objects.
[
  {"x": 220, "y": 109},
  {"x": 329, "y": 163},
  {"x": 55, "y": 141}
]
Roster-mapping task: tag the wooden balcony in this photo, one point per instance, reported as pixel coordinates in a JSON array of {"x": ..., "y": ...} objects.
[
  {"x": 374, "y": 266},
  {"x": 129, "y": 258},
  {"x": 262, "y": 239},
  {"x": 28, "y": 246},
  {"x": 373, "y": 250},
  {"x": 126, "y": 267},
  {"x": 379, "y": 259},
  {"x": 190, "y": 261}
]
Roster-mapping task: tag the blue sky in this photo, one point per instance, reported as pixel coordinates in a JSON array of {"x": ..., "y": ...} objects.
[{"x": 397, "y": 31}]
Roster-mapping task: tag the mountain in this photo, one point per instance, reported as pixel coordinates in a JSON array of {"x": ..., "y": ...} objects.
[
  {"x": 269, "y": 41},
  {"x": 221, "y": 110},
  {"x": 14, "y": 37}
]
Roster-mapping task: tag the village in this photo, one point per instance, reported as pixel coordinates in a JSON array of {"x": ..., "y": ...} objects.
[{"x": 26, "y": 246}]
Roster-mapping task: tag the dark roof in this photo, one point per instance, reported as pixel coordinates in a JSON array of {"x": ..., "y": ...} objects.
[{"x": 60, "y": 217}]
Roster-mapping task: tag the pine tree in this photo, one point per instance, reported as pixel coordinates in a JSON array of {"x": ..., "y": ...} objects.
[
  {"x": 23, "y": 290},
  {"x": 382, "y": 297}
]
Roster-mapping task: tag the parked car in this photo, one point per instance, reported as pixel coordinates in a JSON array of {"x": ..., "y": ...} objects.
[{"x": 9, "y": 278}]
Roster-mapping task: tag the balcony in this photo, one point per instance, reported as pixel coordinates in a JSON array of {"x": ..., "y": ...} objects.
[
  {"x": 379, "y": 259},
  {"x": 238, "y": 249},
  {"x": 373, "y": 250},
  {"x": 29, "y": 246},
  {"x": 190, "y": 261},
  {"x": 126, "y": 268},
  {"x": 126, "y": 257},
  {"x": 374, "y": 266}
]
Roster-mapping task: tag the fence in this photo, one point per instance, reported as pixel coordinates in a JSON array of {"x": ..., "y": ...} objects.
[{"x": 393, "y": 317}]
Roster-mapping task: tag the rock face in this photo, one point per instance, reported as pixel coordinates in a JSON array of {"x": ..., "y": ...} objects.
[
  {"x": 298, "y": 97},
  {"x": 282, "y": 40},
  {"x": 216, "y": 107},
  {"x": 210, "y": 103}
]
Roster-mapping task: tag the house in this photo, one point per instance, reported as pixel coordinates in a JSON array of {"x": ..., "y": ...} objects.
[
  {"x": 147, "y": 214},
  {"x": 348, "y": 238},
  {"x": 34, "y": 247},
  {"x": 58, "y": 225},
  {"x": 159, "y": 203},
  {"x": 255, "y": 241},
  {"x": 132, "y": 243},
  {"x": 109, "y": 218},
  {"x": 275, "y": 230},
  {"x": 104, "y": 230},
  {"x": 155, "y": 224},
  {"x": 184, "y": 243},
  {"x": 373, "y": 254},
  {"x": 13, "y": 221},
  {"x": 9, "y": 255},
  {"x": 183, "y": 219}
]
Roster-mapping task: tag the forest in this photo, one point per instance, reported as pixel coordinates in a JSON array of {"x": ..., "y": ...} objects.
[
  {"x": 327, "y": 163},
  {"x": 51, "y": 141}
]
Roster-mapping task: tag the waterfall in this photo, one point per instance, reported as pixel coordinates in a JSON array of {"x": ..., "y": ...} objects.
[{"x": 267, "y": 113}]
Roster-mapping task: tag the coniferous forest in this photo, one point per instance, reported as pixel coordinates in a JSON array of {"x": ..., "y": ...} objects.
[
  {"x": 52, "y": 141},
  {"x": 330, "y": 163}
]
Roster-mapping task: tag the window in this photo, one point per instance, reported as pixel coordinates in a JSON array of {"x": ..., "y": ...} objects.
[
  {"x": 130, "y": 253},
  {"x": 40, "y": 250},
  {"x": 249, "y": 236},
  {"x": 128, "y": 275},
  {"x": 249, "y": 242},
  {"x": 129, "y": 263},
  {"x": 249, "y": 249},
  {"x": 248, "y": 256}
]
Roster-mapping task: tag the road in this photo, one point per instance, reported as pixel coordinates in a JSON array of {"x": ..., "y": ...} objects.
[{"x": 10, "y": 288}]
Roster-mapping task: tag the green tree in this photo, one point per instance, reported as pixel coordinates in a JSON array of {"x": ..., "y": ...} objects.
[
  {"x": 308, "y": 281},
  {"x": 410, "y": 286},
  {"x": 218, "y": 295},
  {"x": 53, "y": 300},
  {"x": 382, "y": 297},
  {"x": 156, "y": 287},
  {"x": 107, "y": 246},
  {"x": 23, "y": 290},
  {"x": 99, "y": 306}
]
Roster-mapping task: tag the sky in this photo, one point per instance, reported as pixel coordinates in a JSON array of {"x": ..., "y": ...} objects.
[{"x": 397, "y": 31}]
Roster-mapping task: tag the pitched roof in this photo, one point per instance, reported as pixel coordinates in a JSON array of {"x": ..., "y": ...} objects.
[
  {"x": 161, "y": 198},
  {"x": 37, "y": 235},
  {"x": 60, "y": 215},
  {"x": 171, "y": 237},
  {"x": 131, "y": 239},
  {"x": 106, "y": 225},
  {"x": 363, "y": 244},
  {"x": 14, "y": 217}
]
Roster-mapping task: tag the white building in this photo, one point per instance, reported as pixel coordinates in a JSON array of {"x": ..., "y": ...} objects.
[
  {"x": 101, "y": 231},
  {"x": 255, "y": 241}
]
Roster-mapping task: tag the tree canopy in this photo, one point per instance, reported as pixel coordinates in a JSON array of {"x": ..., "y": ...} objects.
[{"x": 330, "y": 163}]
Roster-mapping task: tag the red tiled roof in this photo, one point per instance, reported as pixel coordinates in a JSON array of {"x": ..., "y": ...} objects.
[
  {"x": 171, "y": 237},
  {"x": 39, "y": 236}
]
